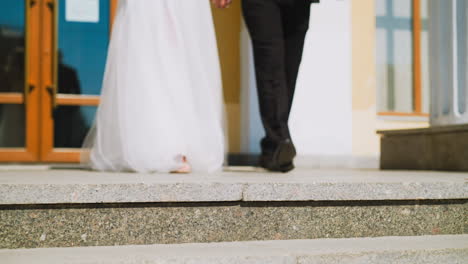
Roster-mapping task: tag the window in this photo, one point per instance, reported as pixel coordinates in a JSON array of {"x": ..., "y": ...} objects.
[{"x": 402, "y": 57}]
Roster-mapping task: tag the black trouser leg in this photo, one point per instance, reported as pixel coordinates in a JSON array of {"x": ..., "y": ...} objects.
[
  {"x": 277, "y": 29},
  {"x": 264, "y": 21},
  {"x": 296, "y": 24}
]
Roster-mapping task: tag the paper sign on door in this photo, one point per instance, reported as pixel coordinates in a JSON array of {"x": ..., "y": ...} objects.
[{"x": 82, "y": 11}]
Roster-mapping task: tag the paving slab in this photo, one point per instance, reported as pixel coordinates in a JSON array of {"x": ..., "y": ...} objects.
[
  {"x": 20, "y": 185},
  {"x": 451, "y": 249}
]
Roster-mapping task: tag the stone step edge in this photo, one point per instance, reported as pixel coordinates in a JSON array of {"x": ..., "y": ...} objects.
[
  {"x": 21, "y": 194},
  {"x": 423, "y": 249}
]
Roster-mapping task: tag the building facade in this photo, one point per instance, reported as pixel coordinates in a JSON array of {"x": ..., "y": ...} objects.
[{"x": 366, "y": 67}]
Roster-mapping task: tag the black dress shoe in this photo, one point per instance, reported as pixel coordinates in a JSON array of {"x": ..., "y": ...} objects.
[
  {"x": 285, "y": 152},
  {"x": 268, "y": 164},
  {"x": 281, "y": 160}
]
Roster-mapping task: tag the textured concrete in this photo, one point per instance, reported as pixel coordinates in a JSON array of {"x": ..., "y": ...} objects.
[
  {"x": 434, "y": 148},
  {"x": 395, "y": 250},
  {"x": 156, "y": 223},
  {"x": 451, "y": 151},
  {"x": 63, "y": 208},
  {"x": 238, "y": 184},
  {"x": 412, "y": 152}
]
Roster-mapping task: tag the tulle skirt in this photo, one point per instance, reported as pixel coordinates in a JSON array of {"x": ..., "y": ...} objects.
[{"x": 162, "y": 93}]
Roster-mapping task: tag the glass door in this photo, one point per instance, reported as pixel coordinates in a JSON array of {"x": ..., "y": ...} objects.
[
  {"x": 19, "y": 80},
  {"x": 52, "y": 58},
  {"x": 75, "y": 40}
]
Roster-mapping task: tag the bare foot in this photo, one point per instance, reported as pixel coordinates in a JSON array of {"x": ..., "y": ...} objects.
[{"x": 185, "y": 168}]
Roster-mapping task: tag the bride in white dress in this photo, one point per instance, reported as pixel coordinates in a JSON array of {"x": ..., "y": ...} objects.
[{"x": 161, "y": 105}]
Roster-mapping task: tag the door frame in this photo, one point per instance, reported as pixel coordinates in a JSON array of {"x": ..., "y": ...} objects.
[
  {"x": 30, "y": 96},
  {"x": 39, "y": 96},
  {"x": 50, "y": 97}
]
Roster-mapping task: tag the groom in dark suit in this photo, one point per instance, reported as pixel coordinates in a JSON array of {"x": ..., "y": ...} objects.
[{"x": 278, "y": 29}]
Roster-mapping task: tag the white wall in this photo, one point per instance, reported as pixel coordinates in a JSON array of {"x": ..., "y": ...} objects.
[
  {"x": 321, "y": 118},
  {"x": 250, "y": 122}
]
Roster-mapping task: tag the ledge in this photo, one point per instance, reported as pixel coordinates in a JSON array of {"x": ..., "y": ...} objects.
[
  {"x": 442, "y": 148},
  {"x": 425, "y": 130},
  {"x": 404, "y": 250},
  {"x": 83, "y": 187}
]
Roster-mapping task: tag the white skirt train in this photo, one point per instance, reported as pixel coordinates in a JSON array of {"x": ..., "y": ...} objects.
[{"x": 162, "y": 93}]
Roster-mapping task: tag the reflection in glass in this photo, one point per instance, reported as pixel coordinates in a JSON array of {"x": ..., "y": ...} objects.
[
  {"x": 68, "y": 79},
  {"x": 83, "y": 49},
  {"x": 462, "y": 54},
  {"x": 401, "y": 8},
  {"x": 394, "y": 55},
  {"x": 12, "y": 21},
  {"x": 403, "y": 70},
  {"x": 71, "y": 125},
  {"x": 12, "y": 126}
]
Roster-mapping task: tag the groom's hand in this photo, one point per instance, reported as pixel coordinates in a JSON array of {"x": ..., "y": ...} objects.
[{"x": 221, "y": 3}]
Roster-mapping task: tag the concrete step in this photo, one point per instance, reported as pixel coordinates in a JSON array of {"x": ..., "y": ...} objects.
[
  {"x": 432, "y": 148},
  {"x": 61, "y": 186},
  {"x": 68, "y": 208},
  {"x": 396, "y": 250}
]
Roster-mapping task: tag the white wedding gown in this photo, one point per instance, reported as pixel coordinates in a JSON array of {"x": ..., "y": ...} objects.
[{"x": 162, "y": 92}]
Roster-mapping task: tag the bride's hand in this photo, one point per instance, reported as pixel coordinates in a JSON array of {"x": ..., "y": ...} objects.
[{"x": 221, "y": 3}]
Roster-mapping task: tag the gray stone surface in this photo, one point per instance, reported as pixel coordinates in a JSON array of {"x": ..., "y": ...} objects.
[
  {"x": 236, "y": 184},
  {"x": 409, "y": 151},
  {"x": 450, "y": 151},
  {"x": 426, "y": 130},
  {"x": 395, "y": 250},
  {"x": 403, "y": 257},
  {"x": 434, "y": 148},
  {"x": 156, "y": 223}
]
